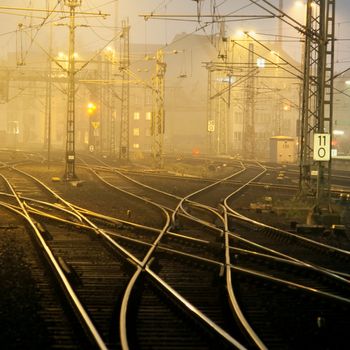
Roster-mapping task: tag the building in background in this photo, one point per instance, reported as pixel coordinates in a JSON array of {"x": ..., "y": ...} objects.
[{"x": 270, "y": 87}]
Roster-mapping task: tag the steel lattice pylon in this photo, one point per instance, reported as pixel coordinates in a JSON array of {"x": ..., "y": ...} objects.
[
  {"x": 218, "y": 106},
  {"x": 219, "y": 97},
  {"x": 158, "y": 117},
  {"x": 70, "y": 141},
  {"x": 248, "y": 137},
  {"x": 317, "y": 104},
  {"x": 210, "y": 120},
  {"x": 125, "y": 108}
]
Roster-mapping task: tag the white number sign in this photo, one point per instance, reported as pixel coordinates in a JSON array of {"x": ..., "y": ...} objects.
[
  {"x": 211, "y": 125},
  {"x": 322, "y": 147}
]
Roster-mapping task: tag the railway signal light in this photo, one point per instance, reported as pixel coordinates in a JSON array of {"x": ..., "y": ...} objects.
[{"x": 91, "y": 108}]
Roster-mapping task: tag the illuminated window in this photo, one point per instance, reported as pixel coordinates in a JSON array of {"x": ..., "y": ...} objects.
[
  {"x": 148, "y": 115},
  {"x": 136, "y": 115},
  {"x": 136, "y": 131},
  {"x": 136, "y": 145}
]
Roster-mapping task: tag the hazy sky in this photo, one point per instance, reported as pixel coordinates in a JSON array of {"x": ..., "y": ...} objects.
[
  {"x": 161, "y": 31},
  {"x": 92, "y": 35}
]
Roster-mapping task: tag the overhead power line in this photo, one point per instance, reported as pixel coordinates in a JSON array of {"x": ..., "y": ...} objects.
[{"x": 52, "y": 11}]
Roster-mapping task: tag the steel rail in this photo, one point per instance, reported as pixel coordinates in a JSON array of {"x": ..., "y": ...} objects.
[
  {"x": 149, "y": 256},
  {"x": 273, "y": 253},
  {"x": 291, "y": 284},
  {"x": 144, "y": 267},
  {"x": 64, "y": 283},
  {"x": 288, "y": 261},
  {"x": 180, "y": 205},
  {"x": 241, "y": 217},
  {"x": 210, "y": 225},
  {"x": 232, "y": 298},
  {"x": 191, "y": 307}
]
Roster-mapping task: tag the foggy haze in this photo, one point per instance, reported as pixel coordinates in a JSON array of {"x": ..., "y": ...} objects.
[
  {"x": 93, "y": 33},
  {"x": 186, "y": 37}
]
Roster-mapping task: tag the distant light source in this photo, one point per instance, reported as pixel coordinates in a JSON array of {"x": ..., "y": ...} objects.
[
  {"x": 260, "y": 62},
  {"x": 338, "y": 132},
  {"x": 91, "y": 108},
  {"x": 347, "y": 82},
  {"x": 228, "y": 79},
  {"x": 61, "y": 55},
  {"x": 240, "y": 33}
]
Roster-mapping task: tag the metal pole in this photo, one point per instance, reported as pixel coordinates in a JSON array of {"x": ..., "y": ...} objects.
[
  {"x": 125, "y": 108},
  {"x": 317, "y": 109},
  {"x": 280, "y": 28},
  {"x": 48, "y": 100},
  {"x": 70, "y": 141},
  {"x": 158, "y": 116},
  {"x": 249, "y": 110}
]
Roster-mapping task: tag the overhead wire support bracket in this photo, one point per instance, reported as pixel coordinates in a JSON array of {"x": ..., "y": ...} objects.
[{"x": 100, "y": 14}]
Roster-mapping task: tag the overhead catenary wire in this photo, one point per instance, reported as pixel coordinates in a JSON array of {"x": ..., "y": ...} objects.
[
  {"x": 297, "y": 25},
  {"x": 32, "y": 38},
  {"x": 270, "y": 61},
  {"x": 267, "y": 48}
]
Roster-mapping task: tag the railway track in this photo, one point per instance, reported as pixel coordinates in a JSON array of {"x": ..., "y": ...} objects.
[
  {"x": 71, "y": 252},
  {"x": 314, "y": 282},
  {"x": 194, "y": 268}
]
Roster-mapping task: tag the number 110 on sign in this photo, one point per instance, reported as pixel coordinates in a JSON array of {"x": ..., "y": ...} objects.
[{"x": 322, "y": 147}]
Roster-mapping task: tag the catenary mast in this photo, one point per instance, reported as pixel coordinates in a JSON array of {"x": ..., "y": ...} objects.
[
  {"x": 70, "y": 141},
  {"x": 317, "y": 104}
]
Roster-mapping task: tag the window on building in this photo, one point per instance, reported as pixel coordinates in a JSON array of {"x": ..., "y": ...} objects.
[
  {"x": 136, "y": 145},
  {"x": 148, "y": 97},
  {"x": 138, "y": 100},
  {"x": 238, "y": 117},
  {"x": 148, "y": 132},
  {"x": 237, "y": 136},
  {"x": 136, "y": 131},
  {"x": 136, "y": 115},
  {"x": 264, "y": 118},
  {"x": 148, "y": 115}
]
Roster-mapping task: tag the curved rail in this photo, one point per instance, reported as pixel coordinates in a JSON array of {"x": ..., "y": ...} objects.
[{"x": 74, "y": 300}]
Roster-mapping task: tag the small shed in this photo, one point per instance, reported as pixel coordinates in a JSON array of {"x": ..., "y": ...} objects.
[{"x": 283, "y": 149}]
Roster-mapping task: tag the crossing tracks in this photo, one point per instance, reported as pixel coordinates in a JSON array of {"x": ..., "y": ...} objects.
[{"x": 148, "y": 265}]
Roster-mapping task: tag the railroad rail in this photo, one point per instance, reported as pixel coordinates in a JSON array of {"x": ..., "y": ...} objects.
[{"x": 187, "y": 260}]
